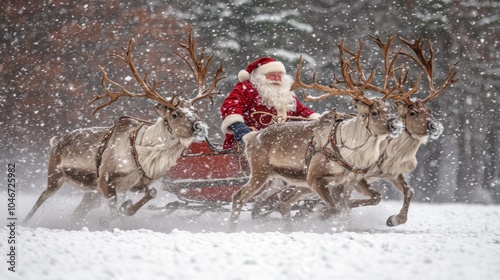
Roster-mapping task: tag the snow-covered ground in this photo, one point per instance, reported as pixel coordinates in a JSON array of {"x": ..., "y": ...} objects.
[{"x": 440, "y": 241}]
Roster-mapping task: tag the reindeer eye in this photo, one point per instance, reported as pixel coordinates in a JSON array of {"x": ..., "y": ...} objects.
[
  {"x": 175, "y": 116},
  {"x": 374, "y": 114},
  {"x": 413, "y": 114}
]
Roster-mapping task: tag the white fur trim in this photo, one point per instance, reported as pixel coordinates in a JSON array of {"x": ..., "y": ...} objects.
[
  {"x": 229, "y": 120},
  {"x": 274, "y": 66},
  {"x": 243, "y": 75},
  {"x": 314, "y": 116}
]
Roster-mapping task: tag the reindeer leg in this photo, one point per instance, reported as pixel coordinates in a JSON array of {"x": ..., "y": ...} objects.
[
  {"x": 272, "y": 187},
  {"x": 407, "y": 191},
  {"x": 109, "y": 191},
  {"x": 256, "y": 182},
  {"x": 320, "y": 186},
  {"x": 288, "y": 200},
  {"x": 129, "y": 209},
  {"x": 54, "y": 183},
  {"x": 340, "y": 195},
  {"x": 365, "y": 188},
  {"x": 89, "y": 201}
]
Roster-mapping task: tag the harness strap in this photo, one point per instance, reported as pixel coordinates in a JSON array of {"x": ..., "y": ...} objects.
[
  {"x": 102, "y": 148},
  {"x": 133, "y": 150},
  {"x": 310, "y": 152},
  {"x": 332, "y": 154},
  {"x": 105, "y": 140}
]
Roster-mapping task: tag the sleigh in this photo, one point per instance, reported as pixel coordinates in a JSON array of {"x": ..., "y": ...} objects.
[{"x": 206, "y": 177}]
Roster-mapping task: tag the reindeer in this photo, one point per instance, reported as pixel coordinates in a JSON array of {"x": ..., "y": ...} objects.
[
  {"x": 131, "y": 154},
  {"x": 329, "y": 151},
  {"x": 398, "y": 154}
]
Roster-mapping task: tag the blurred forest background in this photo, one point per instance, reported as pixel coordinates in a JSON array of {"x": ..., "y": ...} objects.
[{"x": 50, "y": 52}]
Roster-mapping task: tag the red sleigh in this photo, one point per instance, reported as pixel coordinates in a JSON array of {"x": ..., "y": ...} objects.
[{"x": 205, "y": 177}]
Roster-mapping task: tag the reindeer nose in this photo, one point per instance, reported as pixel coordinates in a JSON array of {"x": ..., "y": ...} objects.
[
  {"x": 432, "y": 126},
  {"x": 435, "y": 129},
  {"x": 197, "y": 126},
  {"x": 200, "y": 127},
  {"x": 395, "y": 127},
  {"x": 200, "y": 130}
]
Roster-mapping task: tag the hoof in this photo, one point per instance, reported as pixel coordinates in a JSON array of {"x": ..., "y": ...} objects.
[
  {"x": 392, "y": 221},
  {"x": 125, "y": 208},
  {"x": 260, "y": 210},
  {"x": 152, "y": 192},
  {"x": 328, "y": 213}
]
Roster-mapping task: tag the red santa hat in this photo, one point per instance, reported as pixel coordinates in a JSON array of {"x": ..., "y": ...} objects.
[{"x": 262, "y": 65}]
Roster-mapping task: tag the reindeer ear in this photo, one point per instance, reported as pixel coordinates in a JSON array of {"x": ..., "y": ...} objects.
[
  {"x": 161, "y": 110},
  {"x": 332, "y": 112},
  {"x": 328, "y": 115},
  {"x": 400, "y": 107},
  {"x": 361, "y": 107}
]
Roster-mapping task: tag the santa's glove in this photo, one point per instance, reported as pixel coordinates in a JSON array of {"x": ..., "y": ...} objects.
[{"x": 239, "y": 130}]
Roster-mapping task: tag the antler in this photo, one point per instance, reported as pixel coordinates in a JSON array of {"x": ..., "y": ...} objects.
[
  {"x": 395, "y": 79},
  {"x": 149, "y": 90},
  {"x": 398, "y": 78},
  {"x": 199, "y": 69},
  {"x": 345, "y": 67},
  {"x": 426, "y": 66},
  {"x": 350, "y": 90}
]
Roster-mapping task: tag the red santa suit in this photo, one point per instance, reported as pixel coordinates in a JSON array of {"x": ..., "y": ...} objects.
[{"x": 243, "y": 104}]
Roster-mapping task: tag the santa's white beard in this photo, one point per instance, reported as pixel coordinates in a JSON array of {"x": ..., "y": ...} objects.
[{"x": 275, "y": 94}]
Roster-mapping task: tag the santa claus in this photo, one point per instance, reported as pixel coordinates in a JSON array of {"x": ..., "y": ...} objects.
[{"x": 263, "y": 91}]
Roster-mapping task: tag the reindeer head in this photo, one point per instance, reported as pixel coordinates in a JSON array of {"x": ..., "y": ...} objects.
[
  {"x": 182, "y": 121},
  {"x": 179, "y": 116},
  {"x": 415, "y": 114},
  {"x": 418, "y": 120},
  {"x": 378, "y": 117}
]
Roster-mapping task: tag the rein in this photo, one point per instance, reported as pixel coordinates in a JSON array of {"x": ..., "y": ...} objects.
[{"x": 276, "y": 119}]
